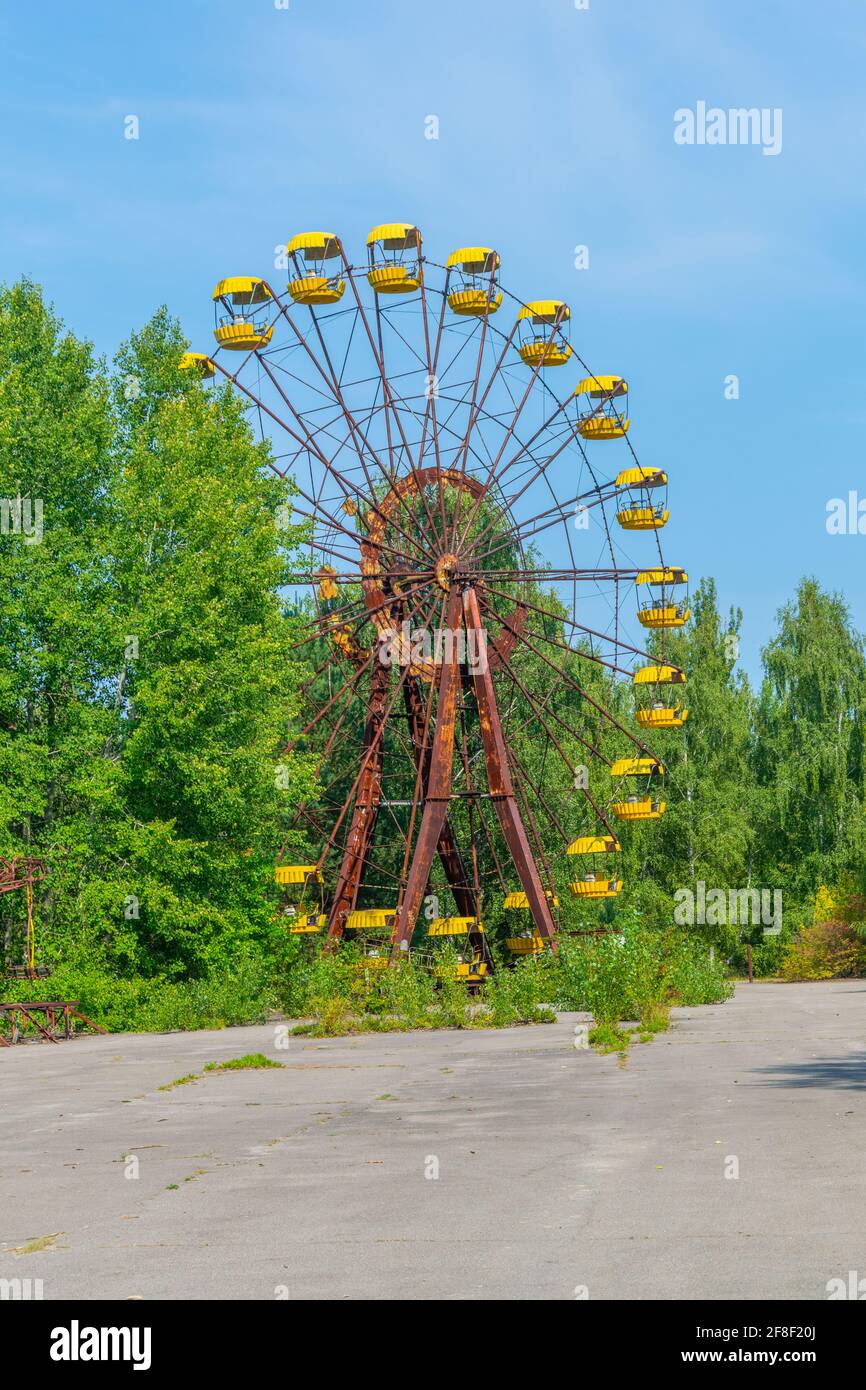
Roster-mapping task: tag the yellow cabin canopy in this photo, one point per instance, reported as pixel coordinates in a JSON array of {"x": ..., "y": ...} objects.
[
  {"x": 395, "y": 236},
  {"x": 594, "y": 844},
  {"x": 544, "y": 311},
  {"x": 315, "y": 246},
  {"x": 474, "y": 260},
  {"x": 242, "y": 289},
  {"x": 598, "y": 386},
  {"x": 659, "y": 675},
  {"x": 669, "y": 575},
  {"x": 197, "y": 361},
  {"x": 637, "y": 767},
  {"x": 641, "y": 477},
  {"x": 297, "y": 873}
]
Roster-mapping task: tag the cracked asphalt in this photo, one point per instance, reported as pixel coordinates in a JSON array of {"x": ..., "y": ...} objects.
[{"x": 725, "y": 1159}]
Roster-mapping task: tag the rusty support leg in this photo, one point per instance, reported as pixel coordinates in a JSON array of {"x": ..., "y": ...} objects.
[
  {"x": 447, "y": 848},
  {"x": 367, "y": 803},
  {"x": 438, "y": 790},
  {"x": 499, "y": 780}
]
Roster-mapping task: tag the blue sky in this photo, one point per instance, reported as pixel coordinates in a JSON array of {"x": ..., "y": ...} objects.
[{"x": 555, "y": 130}]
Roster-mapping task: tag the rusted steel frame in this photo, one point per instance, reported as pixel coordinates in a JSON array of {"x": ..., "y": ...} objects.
[
  {"x": 379, "y": 869},
  {"x": 320, "y": 670},
  {"x": 571, "y": 437},
  {"x": 432, "y": 386},
  {"x": 389, "y": 400},
  {"x": 477, "y": 939},
  {"x": 473, "y": 421},
  {"x": 561, "y": 512},
  {"x": 438, "y": 790},
  {"x": 33, "y": 872},
  {"x": 329, "y": 845},
  {"x": 554, "y": 820},
  {"x": 419, "y": 791},
  {"x": 467, "y": 687},
  {"x": 322, "y": 632},
  {"x": 447, "y": 849},
  {"x": 347, "y": 684},
  {"x": 366, "y": 808},
  {"x": 558, "y": 319},
  {"x": 560, "y": 575},
  {"x": 387, "y": 394},
  {"x": 579, "y": 627},
  {"x": 314, "y": 502},
  {"x": 501, "y": 786},
  {"x": 534, "y": 831},
  {"x": 25, "y": 1013},
  {"x": 606, "y": 714},
  {"x": 370, "y": 497},
  {"x": 334, "y": 386},
  {"x": 477, "y": 378},
  {"x": 313, "y": 448},
  {"x": 540, "y": 717},
  {"x": 360, "y": 618},
  {"x": 539, "y": 469},
  {"x": 350, "y": 686}
]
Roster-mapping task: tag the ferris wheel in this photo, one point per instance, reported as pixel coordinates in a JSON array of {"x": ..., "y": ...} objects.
[{"x": 474, "y": 508}]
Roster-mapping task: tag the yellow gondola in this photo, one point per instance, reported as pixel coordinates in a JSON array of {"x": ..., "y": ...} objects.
[
  {"x": 198, "y": 362},
  {"x": 471, "y": 971},
  {"x": 327, "y": 588},
  {"x": 663, "y": 611},
  {"x": 394, "y": 255},
  {"x": 594, "y": 885},
  {"x": 659, "y": 714},
  {"x": 473, "y": 281},
  {"x": 308, "y": 879},
  {"x": 542, "y": 333},
  {"x": 235, "y": 303},
  {"x": 597, "y": 415},
  {"x": 639, "y": 807},
  {"x": 310, "y": 283},
  {"x": 638, "y": 511}
]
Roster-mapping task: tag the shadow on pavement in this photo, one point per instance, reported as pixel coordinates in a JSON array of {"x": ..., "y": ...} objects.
[{"x": 842, "y": 1073}]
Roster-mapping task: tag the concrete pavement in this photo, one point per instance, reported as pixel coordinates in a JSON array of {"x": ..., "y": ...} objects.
[{"x": 558, "y": 1170}]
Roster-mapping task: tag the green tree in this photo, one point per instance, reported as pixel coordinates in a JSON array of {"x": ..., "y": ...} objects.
[{"x": 809, "y": 750}]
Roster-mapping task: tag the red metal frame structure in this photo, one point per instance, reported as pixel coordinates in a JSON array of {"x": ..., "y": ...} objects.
[
  {"x": 22, "y": 872},
  {"x": 430, "y": 457},
  {"x": 17, "y": 1018}
]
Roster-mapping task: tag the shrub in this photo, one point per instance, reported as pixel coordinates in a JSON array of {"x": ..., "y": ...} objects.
[{"x": 825, "y": 951}]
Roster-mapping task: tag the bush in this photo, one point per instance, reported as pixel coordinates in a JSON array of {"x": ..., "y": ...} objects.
[
  {"x": 825, "y": 951},
  {"x": 695, "y": 979},
  {"x": 155, "y": 1005},
  {"x": 634, "y": 974}
]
